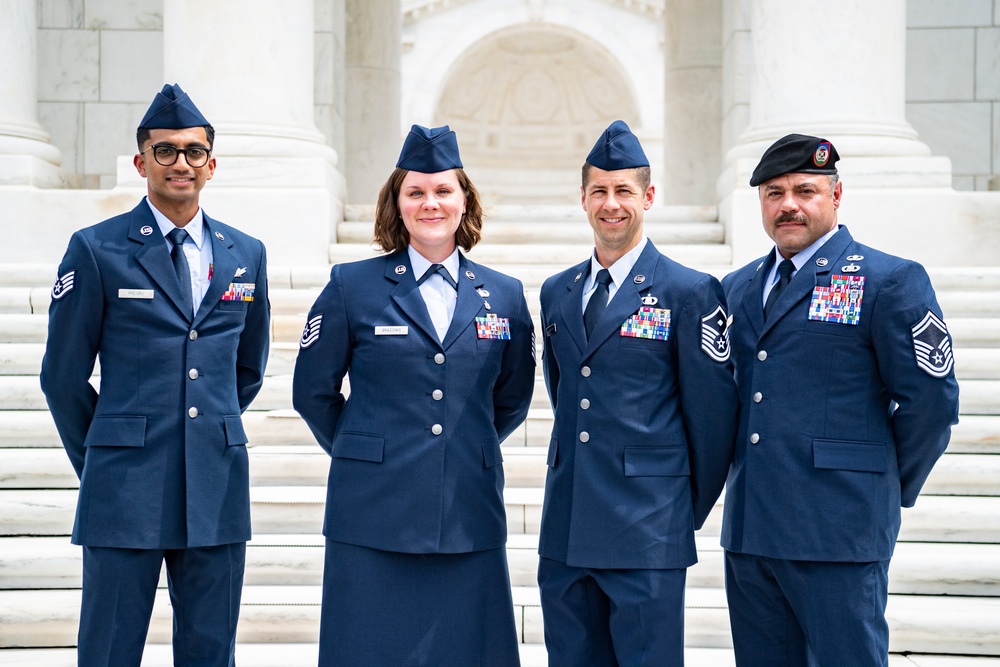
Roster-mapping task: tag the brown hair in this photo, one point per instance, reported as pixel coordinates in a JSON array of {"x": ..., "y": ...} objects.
[
  {"x": 391, "y": 234},
  {"x": 642, "y": 175}
]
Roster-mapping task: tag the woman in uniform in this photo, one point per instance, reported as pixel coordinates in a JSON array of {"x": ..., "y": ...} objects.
[{"x": 439, "y": 353}]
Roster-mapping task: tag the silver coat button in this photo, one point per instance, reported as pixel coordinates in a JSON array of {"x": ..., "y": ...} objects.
[
  {"x": 585, "y": 371},
  {"x": 754, "y": 438},
  {"x": 193, "y": 335},
  {"x": 585, "y": 403},
  {"x": 436, "y": 429},
  {"x": 762, "y": 355},
  {"x": 193, "y": 373},
  {"x": 758, "y": 397},
  {"x": 438, "y": 358},
  {"x": 192, "y": 412},
  {"x": 437, "y": 394},
  {"x": 584, "y": 436}
]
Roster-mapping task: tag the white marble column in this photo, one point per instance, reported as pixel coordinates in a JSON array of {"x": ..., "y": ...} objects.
[
  {"x": 693, "y": 100},
  {"x": 372, "y": 71},
  {"x": 249, "y": 67},
  {"x": 25, "y": 149},
  {"x": 835, "y": 69}
]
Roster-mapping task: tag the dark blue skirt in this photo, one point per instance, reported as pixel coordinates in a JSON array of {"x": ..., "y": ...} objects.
[{"x": 390, "y": 609}]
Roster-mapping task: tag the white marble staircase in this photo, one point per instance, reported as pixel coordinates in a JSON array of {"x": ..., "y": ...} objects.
[{"x": 944, "y": 607}]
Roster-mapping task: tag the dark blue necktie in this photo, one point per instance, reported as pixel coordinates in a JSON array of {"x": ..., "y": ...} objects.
[
  {"x": 177, "y": 236},
  {"x": 785, "y": 270},
  {"x": 598, "y": 301}
]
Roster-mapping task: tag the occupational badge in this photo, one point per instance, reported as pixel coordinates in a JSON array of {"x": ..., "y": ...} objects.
[
  {"x": 647, "y": 322},
  {"x": 840, "y": 302},
  {"x": 715, "y": 335},
  {"x": 932, "y": 346},
  {"x": 63, "y": 285},
  {"x": 310, "y": 334}
]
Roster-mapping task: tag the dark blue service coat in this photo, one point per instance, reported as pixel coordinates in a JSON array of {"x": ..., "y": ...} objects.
[
  {"x": 841, "y": 423},
  {"x": 644, "y": 428},
  {"x": 415, "y": 447},
  {"x": 160, "y": 448}
]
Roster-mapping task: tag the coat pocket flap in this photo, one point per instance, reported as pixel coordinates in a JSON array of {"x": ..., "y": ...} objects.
[
  {"x": 235, "y": 435},
  {"x": 360, "y": 446},
  {"x": 850, "y": 455},
  {"x": 117, "y": 431},
  {"x": 656, "y": 462},
  {"x": 492, "y": 455}
]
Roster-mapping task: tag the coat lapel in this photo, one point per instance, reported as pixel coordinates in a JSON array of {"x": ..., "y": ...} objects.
[
  {"x": 469, "y": 303},
  {"x": 571, "y": 308},
  {"x": 626, "y": 300},
  {"x": 154, "y": 257},
  {"x": 406, "y": 293},
  {"x": 806, "y": 278},
  {"x": 753, "y": 304},
  {"x": 224, "y": 265}
]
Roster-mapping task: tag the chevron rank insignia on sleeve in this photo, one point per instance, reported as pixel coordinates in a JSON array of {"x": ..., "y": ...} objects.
[
  {"x": 932, "y": 346},
  {"x": 715, "y": 335},
  {"x": 310, "y": 334},
  {"x": 63, "y": 285}
]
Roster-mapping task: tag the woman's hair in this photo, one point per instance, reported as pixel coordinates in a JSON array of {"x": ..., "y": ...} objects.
[{"x": 391, "y": 234}]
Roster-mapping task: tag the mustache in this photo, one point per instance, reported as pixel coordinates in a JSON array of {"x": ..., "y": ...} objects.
[{"x": 791, "y": 217}]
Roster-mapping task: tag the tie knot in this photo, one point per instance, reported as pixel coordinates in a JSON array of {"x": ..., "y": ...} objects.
[
  {"x": 603, "y": 277},
  {"x": 177, "y": 236},
  {"x": 441, "y": 271},
  {"x": 785, "y": 269}
]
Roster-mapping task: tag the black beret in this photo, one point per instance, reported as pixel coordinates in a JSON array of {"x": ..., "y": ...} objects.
[
  {"x": 795, "y": 154},
  {"x": 172, "y": 109},
  {"x": 617, "y": 149},
  {"x": 430, "y": 150}
]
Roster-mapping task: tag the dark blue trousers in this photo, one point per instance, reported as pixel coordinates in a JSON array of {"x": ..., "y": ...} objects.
[
  {"x": 787, "y": 613},
  {"x": 119, "y": 588},
  {"x": 612, "y": 618}
]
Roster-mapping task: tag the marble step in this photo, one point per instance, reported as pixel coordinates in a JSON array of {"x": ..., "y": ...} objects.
[
  {"x": 552, "y": 233},
  {"x": 299, "y": 510},
  {"x": 974, "y": 434},
  {"x": 23, "y": 392},
  {"x": 290, "y": 614},
  {"x": 557, "y": 257},
  {"x": 532, "y": 655},
  {"x": 918, "y": 568},
  {"x": 308, "y": 465}
]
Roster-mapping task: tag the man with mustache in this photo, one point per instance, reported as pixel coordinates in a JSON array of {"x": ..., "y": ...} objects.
[{"x": 848, "y": 393}]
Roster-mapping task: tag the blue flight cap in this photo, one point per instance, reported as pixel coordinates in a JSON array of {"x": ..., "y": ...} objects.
[
  {"x": 796, "y": 154},
  {"x": 617, "y": 148},
  {"x": 430, "y": 150},
  {"x": 172, "y": 109}
]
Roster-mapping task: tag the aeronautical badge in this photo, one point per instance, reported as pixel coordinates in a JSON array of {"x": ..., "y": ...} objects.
[
  {"x": 715, "y": 335},
  {"x": 310, "y": 334},
  {"x": 63, "y": 285},
  {"x": 932, "y": 345}
]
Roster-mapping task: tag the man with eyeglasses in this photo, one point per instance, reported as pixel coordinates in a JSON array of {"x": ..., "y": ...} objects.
[{"x": 174, "y": 304}]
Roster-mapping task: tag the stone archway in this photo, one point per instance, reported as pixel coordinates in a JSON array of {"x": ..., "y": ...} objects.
[{"x": 528, "y": 102}]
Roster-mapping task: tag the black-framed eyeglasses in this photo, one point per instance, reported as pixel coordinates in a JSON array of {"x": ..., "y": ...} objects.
[{"x": 165, "y": 154}]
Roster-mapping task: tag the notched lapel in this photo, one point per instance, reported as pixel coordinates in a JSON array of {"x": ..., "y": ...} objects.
[
  {"x": 406, "y": 294},
  {"x": 752, "y": 302},
  {"x": 570, "y": 310},
  {"x": 468, "y": 304},
  {"x": 224, "y": 265},
  {"x": 153, "y": 256}
]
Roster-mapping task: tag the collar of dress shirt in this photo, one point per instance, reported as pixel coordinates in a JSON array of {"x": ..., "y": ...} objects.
[
  {"x": 619, "y": 271},
  {"x": 420, "y": 264},
  {"x": 195, "y": 226},
  {"x": 800, "y": 258}
]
